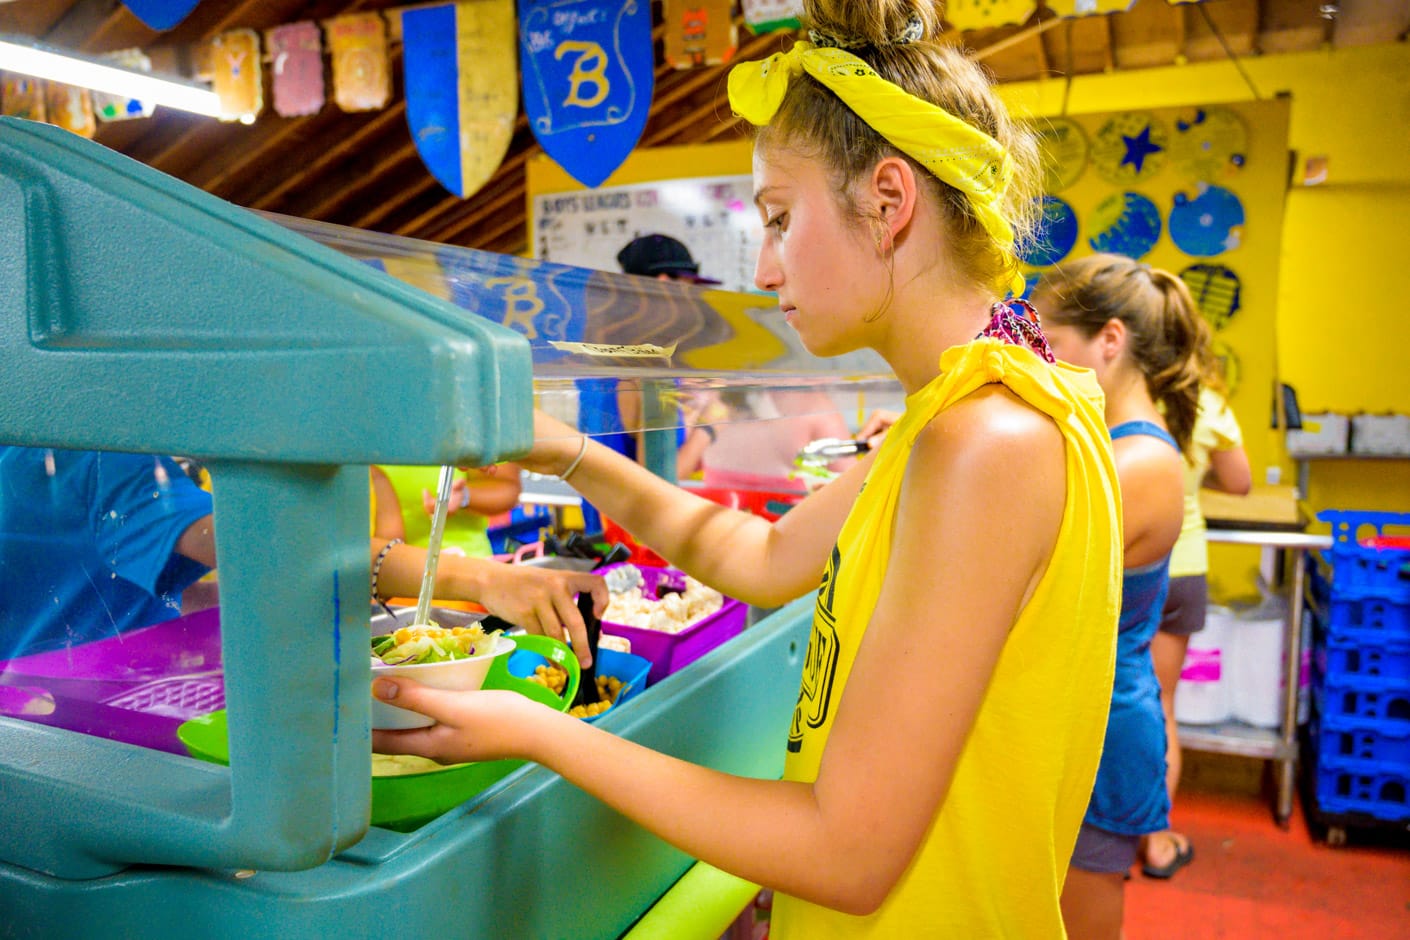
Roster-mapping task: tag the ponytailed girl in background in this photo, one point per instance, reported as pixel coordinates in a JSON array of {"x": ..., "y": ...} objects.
[{"x": 1139, "y": 330}]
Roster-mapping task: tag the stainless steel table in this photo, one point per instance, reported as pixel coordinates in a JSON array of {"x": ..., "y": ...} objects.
[{"x": 1234, "y": 737}]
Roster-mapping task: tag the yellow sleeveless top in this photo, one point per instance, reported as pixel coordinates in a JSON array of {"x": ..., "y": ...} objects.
[{"x": 995, "y": 858}]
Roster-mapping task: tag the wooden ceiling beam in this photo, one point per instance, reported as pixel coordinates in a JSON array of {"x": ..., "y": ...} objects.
[
  {"x": 348, "y": 143},
  {"x": 1236, "y": 23},
  {"x": 98, "y": 26},
  {"x": 1290, "y": 27}
]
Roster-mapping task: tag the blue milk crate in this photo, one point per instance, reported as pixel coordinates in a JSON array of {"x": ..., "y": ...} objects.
[
  {"x": 1347, "y": 706},
  {"x": 1345, "y": 663},
  {"x": 1380, "y": 795},
  {"x": 1368, "y": 621},
  {"x": 1376, "y": 747},
  {"x": 1361, "y": 571}
]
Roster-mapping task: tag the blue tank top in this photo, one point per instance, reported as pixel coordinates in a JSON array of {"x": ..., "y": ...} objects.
[{"x": 1130, "y": 797}]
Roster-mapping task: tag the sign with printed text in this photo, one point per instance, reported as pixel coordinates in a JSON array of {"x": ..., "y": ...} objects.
[
  {"x": 588, "y": 74},
  {"x": 461, "y": 97},
  {"x": 714, "y": 217}
]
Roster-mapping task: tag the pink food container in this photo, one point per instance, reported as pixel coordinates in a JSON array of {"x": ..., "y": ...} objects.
[{"x": 671, "y": 652}]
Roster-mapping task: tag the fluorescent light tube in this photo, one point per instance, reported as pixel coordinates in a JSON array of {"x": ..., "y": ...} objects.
[{"x": 27, "y": 57}]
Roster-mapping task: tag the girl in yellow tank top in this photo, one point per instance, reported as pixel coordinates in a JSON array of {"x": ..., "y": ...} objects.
[{"x": 967, "y": 572}]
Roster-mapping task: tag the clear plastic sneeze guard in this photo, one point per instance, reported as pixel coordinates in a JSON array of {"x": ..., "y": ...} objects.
[{"x": 693, "y": 351}]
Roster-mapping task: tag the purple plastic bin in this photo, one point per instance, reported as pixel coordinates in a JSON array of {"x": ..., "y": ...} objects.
[
  {"x": 671, "y": 652},
  {"x": 137, "y": 688}
]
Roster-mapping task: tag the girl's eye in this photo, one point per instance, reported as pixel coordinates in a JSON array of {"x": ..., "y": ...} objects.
[{"x": 779, "y": 222}]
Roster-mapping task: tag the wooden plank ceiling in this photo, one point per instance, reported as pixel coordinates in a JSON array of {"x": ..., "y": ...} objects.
[{"x": 363, "y": 170}]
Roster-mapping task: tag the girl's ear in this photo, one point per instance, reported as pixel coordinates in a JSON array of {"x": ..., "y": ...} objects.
[
  {"x": 894, "y": 192},
  {"x": 1113, "y": 338}
]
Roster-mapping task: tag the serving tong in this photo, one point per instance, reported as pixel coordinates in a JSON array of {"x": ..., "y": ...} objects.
[{"x": 825, "y": 450}]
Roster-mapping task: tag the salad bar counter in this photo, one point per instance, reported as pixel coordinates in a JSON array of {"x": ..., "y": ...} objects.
[{"x": 215, "y": 779}]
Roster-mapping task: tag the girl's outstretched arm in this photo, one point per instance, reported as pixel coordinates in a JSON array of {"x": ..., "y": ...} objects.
[
  {"x": 980, "y": 510},
  {"x": 739, "y": 554}
]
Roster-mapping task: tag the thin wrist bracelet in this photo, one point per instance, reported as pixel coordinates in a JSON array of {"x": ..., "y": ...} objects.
[
  {"x": 377, "y": 564},
  {"x": 582, "y": 449}
]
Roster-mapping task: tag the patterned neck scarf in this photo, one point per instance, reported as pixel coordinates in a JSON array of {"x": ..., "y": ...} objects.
[{"x": 1016, "y": 322}]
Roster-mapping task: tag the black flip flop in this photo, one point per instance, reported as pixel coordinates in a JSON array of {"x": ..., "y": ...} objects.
[{"x": 1183, "y": 857}]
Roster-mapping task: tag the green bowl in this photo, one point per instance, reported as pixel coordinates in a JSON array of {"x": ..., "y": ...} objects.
[{"x": 406, "y": 801}]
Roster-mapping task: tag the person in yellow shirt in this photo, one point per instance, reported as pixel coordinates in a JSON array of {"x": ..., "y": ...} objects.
[
  {"x": 477, "y": 494},
  {"x": 981, "y": 541}
]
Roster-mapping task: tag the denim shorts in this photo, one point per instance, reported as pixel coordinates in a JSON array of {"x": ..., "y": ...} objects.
[
  {"x": 1185, "y": 605},
  {"x": 1104, "y": 853}
]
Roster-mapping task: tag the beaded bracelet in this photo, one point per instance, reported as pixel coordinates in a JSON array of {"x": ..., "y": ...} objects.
[
  {"x": 377, "y": 564},
  {"x": 582, "y": 449}
]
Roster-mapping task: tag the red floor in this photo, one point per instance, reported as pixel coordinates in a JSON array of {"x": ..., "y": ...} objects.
[{"x": 1251, "y": 879}]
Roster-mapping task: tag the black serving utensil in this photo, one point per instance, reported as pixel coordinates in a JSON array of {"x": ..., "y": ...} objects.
[
  {"x": 587, "y": 684},
  {"x": 617, "y": 553}
]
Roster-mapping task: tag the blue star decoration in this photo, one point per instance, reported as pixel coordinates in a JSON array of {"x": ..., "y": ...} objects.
[{"x": 1138, "y": 148}]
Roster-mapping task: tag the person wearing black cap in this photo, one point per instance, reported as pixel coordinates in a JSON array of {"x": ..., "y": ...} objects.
[
  {"x": 616, "y": 417},
  {"x": 661, "y": 257}
]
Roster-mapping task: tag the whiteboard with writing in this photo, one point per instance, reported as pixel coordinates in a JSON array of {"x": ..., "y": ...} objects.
[{"x": 713, "y": 216}]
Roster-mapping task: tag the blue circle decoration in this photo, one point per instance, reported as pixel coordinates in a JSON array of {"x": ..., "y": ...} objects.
[
  {"x": 1209, "y": 224},
  {"x": 1130, "y": 148},
  {"x": 1216, "y": 291},
  {"x": 1055, "y": 237},
  {"x": 1209, "y": 144},
  {"x": 1125, "y": 224}
]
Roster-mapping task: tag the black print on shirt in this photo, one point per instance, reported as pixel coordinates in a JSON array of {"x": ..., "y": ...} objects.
[{"x": 820, "y": 662}]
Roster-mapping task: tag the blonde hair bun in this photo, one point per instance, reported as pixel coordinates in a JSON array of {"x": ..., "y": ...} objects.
[{"x": 849, "y": 24}]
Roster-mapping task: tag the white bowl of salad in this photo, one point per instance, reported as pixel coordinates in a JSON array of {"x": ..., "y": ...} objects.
[{"x": 455, "y": 658}]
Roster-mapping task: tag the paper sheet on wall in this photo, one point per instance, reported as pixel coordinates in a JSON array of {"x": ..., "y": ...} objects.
[{"x": 713, "y": 216}]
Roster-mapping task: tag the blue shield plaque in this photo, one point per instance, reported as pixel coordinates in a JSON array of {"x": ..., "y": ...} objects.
[
  {"x": 588, "y": 73},
  {"x": 160, "y": 14}
]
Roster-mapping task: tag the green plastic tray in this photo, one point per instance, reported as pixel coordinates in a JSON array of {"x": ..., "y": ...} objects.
[{"x": 407, "y": 801}]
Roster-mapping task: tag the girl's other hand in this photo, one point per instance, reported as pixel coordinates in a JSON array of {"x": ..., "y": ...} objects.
[
  {"x": 879, "y": 422},
  {"x": 544, "y": 601}
]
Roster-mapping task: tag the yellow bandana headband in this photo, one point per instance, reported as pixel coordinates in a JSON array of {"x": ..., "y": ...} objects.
[{"x": 956, "y": 152}]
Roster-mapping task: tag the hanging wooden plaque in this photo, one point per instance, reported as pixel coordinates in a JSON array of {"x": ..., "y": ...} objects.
[
  {"x": 22, "y": 96},
  {"x": 296, "y": 72},
  {"x": 699, "y": 33},
  {"x": 237, "y": 76},
  {"x": 71, "y": 108},
  {"x": 358, "y": 47}
]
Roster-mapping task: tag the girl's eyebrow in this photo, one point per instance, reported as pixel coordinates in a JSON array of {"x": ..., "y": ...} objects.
[{"x": 761, "y": 193}]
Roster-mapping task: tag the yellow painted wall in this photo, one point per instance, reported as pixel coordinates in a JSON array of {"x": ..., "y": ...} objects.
[{"x": 1341, "y": 324}]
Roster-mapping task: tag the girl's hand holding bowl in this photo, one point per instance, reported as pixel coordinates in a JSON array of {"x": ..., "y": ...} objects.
[
  {"x": 436, "y": 658},
  {"x": 457, "y": 728}
]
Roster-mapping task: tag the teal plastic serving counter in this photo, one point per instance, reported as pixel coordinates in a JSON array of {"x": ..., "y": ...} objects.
[{"x": 141, "y": 315}]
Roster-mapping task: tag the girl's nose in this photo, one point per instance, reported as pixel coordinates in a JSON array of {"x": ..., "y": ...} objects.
[{"x": 767, "y": 274}]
